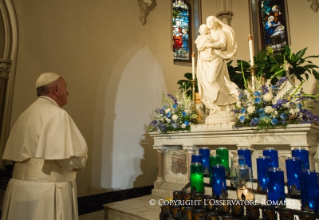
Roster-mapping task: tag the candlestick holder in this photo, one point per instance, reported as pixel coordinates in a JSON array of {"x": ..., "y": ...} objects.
[
  {"x": 193, "y": 94},
  {"x": 253, "y": 70}
]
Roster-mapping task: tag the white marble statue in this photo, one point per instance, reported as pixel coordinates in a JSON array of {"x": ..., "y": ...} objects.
[{"x": 216, "y": 45}]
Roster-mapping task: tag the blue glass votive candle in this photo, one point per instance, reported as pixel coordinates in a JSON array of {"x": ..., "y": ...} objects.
[
  {"x": 273, "y": 154},
  {"x": 218, "y": 180},
  {"x": 246, "y": 153},
  {"x": 263, "y": 164},
  {"x": 205, "y": 152},
  {"x": 213, "y": 161},
  {"x": 310, "y": 190},
  {"x": 197, "y": 158},
  {"x": 303, "y": 154},
  {"x": 275, "y": 186},
  {"x": 197, "y": 178},
  {"x": 294, "y": 168}
]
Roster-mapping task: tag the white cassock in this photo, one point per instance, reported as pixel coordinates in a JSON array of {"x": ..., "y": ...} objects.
[{"x": 48, "y": 149}]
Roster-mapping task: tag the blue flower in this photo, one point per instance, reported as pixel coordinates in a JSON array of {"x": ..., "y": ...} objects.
[
  {"x": 184, "y": 113},
  {"x": 242, "y": 119},
  {"x": 254, "y": 122},
  {"x": 283, "y": 116},
  {"x": 186, "y": 123},
  {"x": 279, "y": 103},
  {"x": 257, "y": 100},
  {"x": 243, "y": 110},
  {"x": 169, "y": 114},
  {"x": 174, "y": 106},
  {"x": 261, "y": 111},
  {"x": 274, "y": 121},
  {"x": 273, "y": 87},
  {"x": 164, "y": 107},
  {"x": 257, "y": 94},
  {"x": 299, "y": 106}
]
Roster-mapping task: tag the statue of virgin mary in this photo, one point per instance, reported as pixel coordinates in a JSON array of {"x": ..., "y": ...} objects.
[{"x": 216, "y": 90}]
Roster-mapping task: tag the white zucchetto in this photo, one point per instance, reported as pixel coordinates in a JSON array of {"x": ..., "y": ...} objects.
[{"x": 46, "y": 79}]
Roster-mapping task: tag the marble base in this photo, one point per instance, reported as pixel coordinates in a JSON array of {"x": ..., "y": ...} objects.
[
  {"x": 220, "y": 118},
  {"x": 134, "y": 209}
]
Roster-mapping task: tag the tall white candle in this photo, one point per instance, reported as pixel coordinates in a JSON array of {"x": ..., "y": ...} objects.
[
  {"x": 193, "y": 65},
  {"x": 251, "y": 50}
]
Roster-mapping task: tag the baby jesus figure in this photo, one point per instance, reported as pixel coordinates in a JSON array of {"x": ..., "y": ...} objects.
[{"x": 202, "y": 40}]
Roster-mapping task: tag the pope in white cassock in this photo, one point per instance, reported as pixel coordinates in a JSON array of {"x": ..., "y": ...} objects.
[{"x": 48, "y": 150}]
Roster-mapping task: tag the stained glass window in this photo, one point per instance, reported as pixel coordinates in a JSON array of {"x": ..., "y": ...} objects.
[
  {"x": 181, "y": 30},
  {"x": 274, "y": 24}
]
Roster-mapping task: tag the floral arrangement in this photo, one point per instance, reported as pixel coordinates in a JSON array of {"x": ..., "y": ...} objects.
[
  {"x": 267, "y": 107},
  {"x": 176, "y": 114}
]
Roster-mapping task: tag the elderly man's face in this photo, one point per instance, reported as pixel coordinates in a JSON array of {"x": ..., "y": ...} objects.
[{"x": 62, "y": 92}]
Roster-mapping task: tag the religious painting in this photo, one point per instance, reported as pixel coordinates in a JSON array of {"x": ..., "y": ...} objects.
[
  {"x": 273, "y": 24},
  {"x": 181, "y": 30}
]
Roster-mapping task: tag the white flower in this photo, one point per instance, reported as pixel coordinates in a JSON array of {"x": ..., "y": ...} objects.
[
  {"x": 269, "y": 109},
  {"x": 287, "y": 105},
  {"x": 268, "y": 82},
  {"x": 167, "y": 110},
  {"x": 293, "y": 111},
  {"x": 168, "y": 120},
  {"x": 238, "y": 104},
  {"x": 297, "y": 110},
  {"x": 174, "y": 117},
  {"x": 251, "y": 109},
  {"x": 183, "y": 126},
  {"x": 276, "y": 113},
  {"x": 187, "y": 111},
  {"x": 268, "y": 97}
]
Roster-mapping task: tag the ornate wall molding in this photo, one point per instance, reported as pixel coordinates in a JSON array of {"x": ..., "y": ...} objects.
[
  {"x": 225, "y": 17},
  {"x": 5, "y": 68},
  {"x": 225, "y": 13},
  {"x": 146, "y": 6},
  {"x": 314, "y": 5},
  {"x": 10, "y": 54}
]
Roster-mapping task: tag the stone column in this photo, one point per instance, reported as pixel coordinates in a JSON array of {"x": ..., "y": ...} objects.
[
  {"x": 190, "y": 151},
  {"x": 5, "y": 68},
  {"x": 160, "y": 150}
]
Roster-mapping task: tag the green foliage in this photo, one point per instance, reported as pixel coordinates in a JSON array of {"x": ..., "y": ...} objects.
[
  {"x": 235, "y": 73},
  {"x": 186, "y": 84},
  {"x": 270, "y": 64}
]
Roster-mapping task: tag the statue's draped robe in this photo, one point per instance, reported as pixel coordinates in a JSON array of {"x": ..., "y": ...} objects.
[
  {"x": 215, "y": 88},
  {"x": 48, "y": 149}
]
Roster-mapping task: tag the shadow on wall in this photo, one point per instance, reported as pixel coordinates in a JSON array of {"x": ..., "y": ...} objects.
[
  {"x": 130, "y": 87},
  {"x": 148, "y": 163}
]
